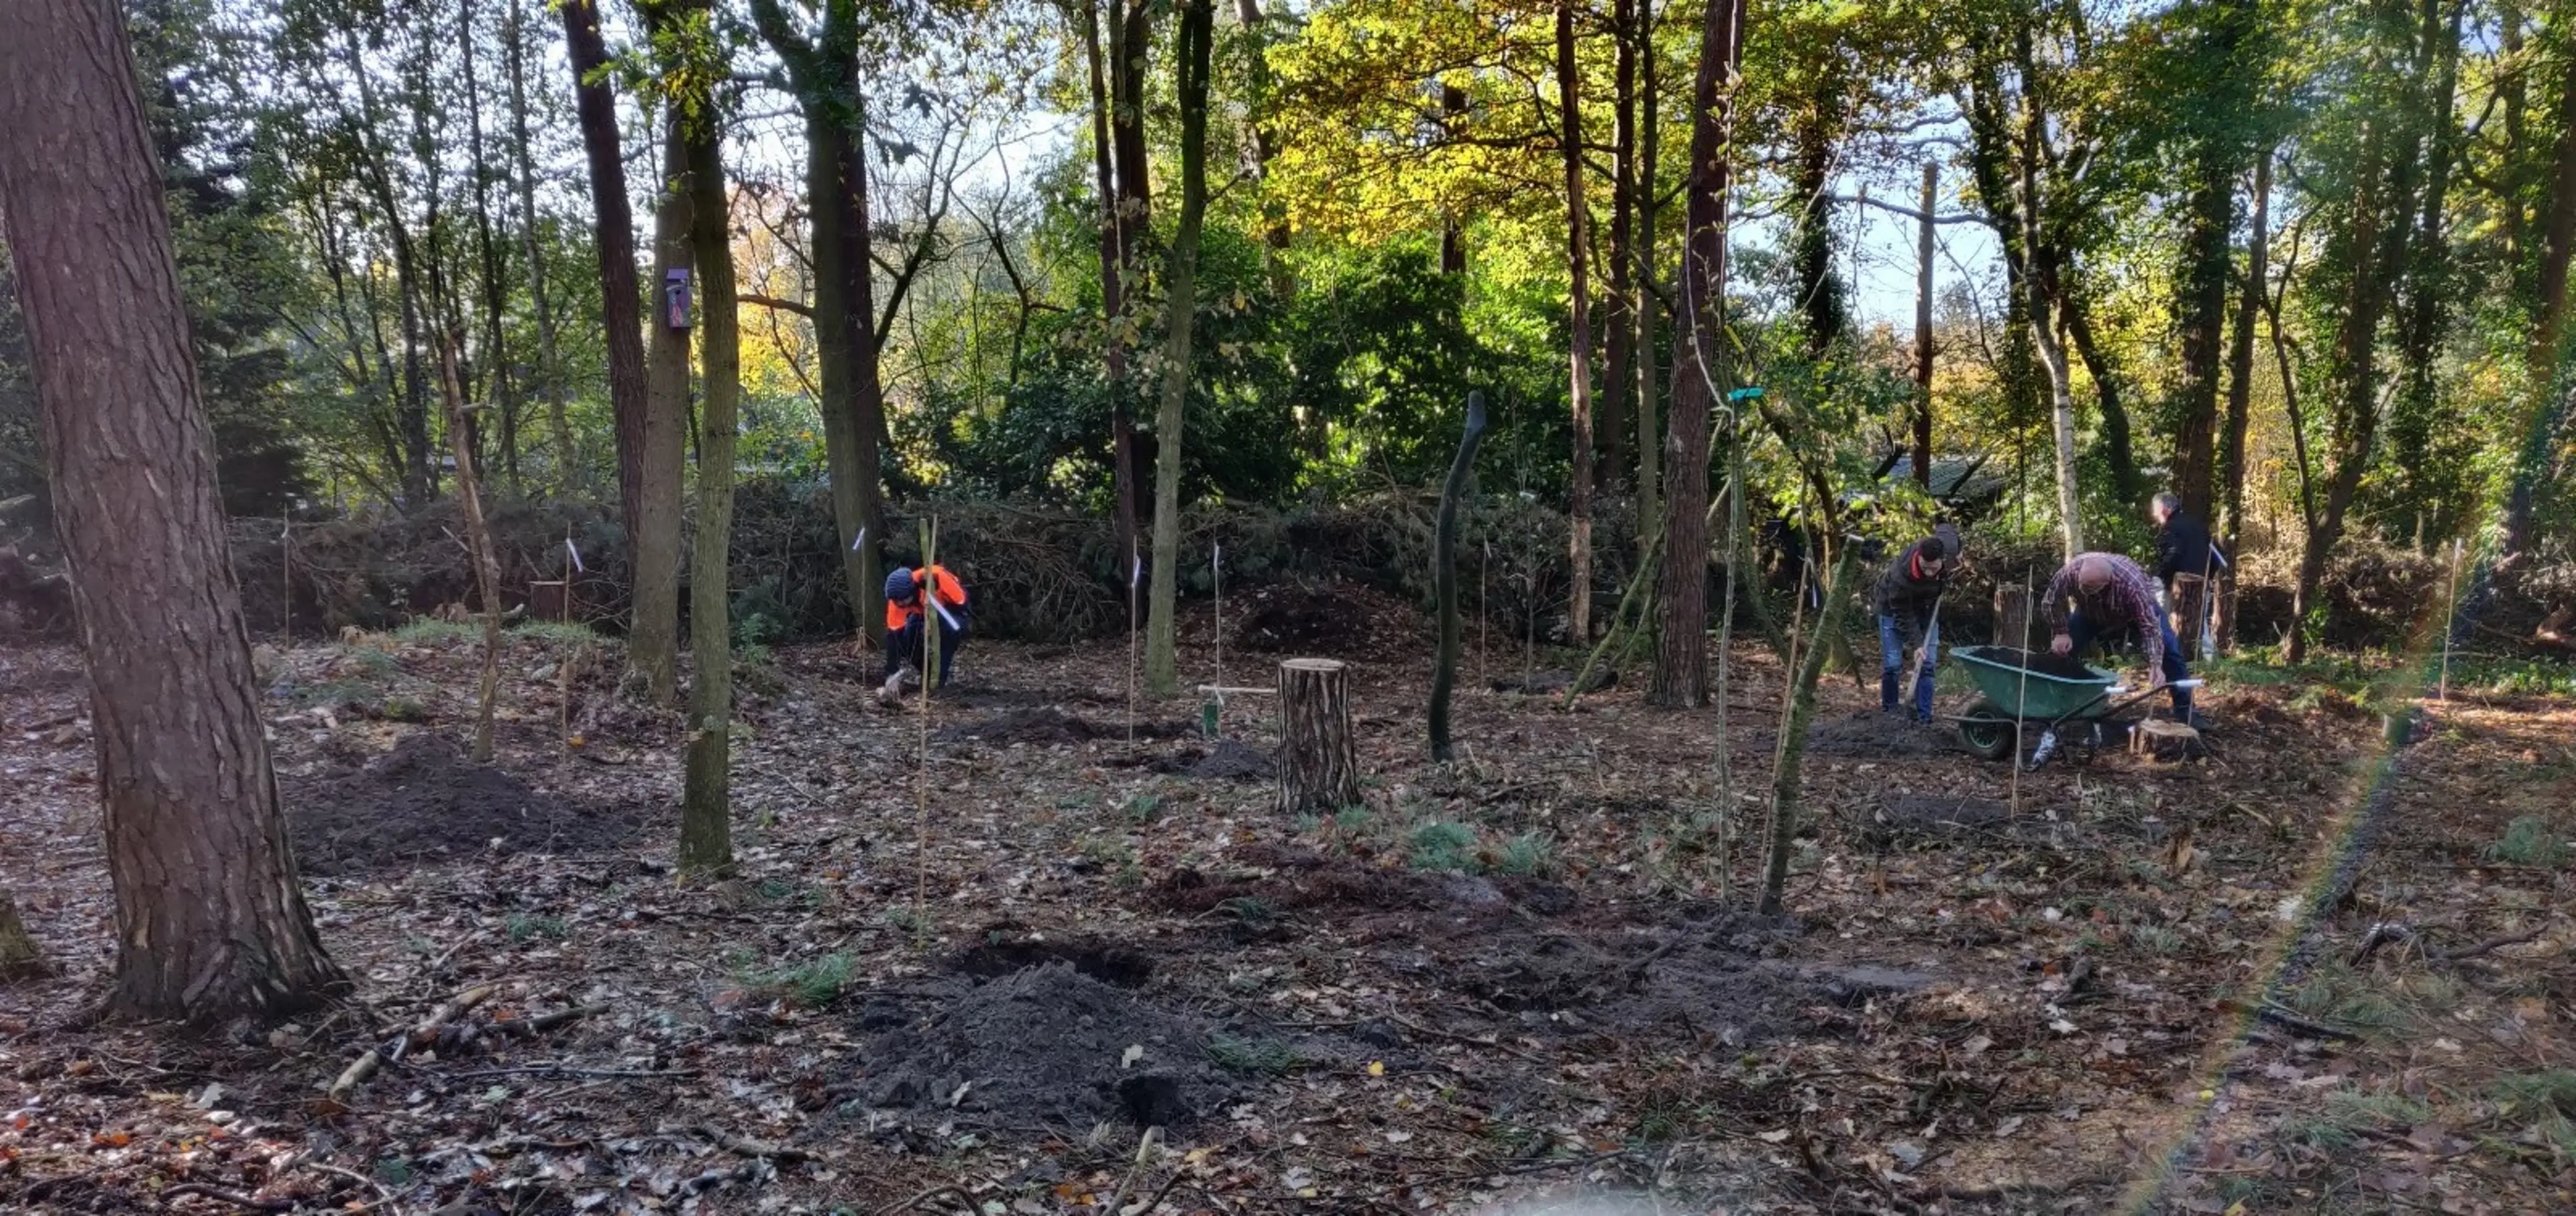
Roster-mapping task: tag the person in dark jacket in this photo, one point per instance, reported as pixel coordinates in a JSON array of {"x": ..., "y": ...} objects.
[
  {"x": 912, "y": 595},
  {"x": 2186, "y": 561},
  {"x": 1908, "y": 599}
]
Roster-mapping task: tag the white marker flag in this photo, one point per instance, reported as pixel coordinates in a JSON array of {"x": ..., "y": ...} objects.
[
  {"x": 1136, "y": 572},
  {"x": 575, "y": 554},
  {"x": 860, "y": 542}
]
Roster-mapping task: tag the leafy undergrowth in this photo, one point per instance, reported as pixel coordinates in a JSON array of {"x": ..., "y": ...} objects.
[{"x": 1520, "y": 977}]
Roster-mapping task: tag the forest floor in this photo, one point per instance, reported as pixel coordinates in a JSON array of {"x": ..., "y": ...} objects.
[{"x": 964, "y": 962}]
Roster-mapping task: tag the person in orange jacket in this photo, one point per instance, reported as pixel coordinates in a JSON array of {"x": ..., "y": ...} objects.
[{"x": 907, "y": 618}]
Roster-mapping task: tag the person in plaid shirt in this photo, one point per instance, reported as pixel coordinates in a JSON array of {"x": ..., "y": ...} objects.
[{"x": 2113, "y": 598}]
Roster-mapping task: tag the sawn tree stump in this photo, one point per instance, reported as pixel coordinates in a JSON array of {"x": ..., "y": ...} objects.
[{"x": 1318, "y": 769}]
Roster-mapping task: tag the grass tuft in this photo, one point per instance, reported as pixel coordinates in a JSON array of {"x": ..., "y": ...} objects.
[
  {"x": 429, "y": 630},
  {"x": 2530, "y": 841},
  {"x": 1254, "y": 1056},
  {"x": 1443, "y": 845}
]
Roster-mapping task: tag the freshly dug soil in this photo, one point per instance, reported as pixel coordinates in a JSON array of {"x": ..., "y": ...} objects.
[
  {"x": 1049, "y": 726},
  {"x": 1303, "y": 620},
  {"x": 1872, "y": 734},
  {"x": 1233, "y": 760},
  {"x": 424, "y": 800},
  {"x": 1043, "y": 1049},
  {"x": 1940, "y": 815},
  {"x": 2038, "y": 662}
]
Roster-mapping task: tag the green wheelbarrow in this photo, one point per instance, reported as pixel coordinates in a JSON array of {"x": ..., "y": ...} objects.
[{"x": 2041, "y": 692}]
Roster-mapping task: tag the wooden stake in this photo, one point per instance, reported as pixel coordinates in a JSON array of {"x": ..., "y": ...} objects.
[
  {"x": 2029, "y": 609},
  {"x": 929, "y": 677},
  {"x": 286, "y": 576},
  {"x": 1135, "y": 576},
  {"x": 563, "y": 668}
]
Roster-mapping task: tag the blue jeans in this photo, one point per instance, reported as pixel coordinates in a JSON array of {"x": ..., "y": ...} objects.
[
  {"x": 2084, "y": 633},
  {"x": 1891, "y": 660}
]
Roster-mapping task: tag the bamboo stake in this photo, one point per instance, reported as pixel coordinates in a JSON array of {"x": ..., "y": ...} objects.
[
  {"x": 286, "y": 576},
  {"x": 929, "y": 678},
  {"x": 1484, "y": 668},
  {"x": 563, "y": 669}
]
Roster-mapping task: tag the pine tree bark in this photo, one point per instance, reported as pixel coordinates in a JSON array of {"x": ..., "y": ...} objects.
[
  {"x": 1318, "y": 764},
  {"x": 1579, "y": 324},
  {"x": 653, "y": 640},
  {"x": 706, "y": 834},
  {"x": 211, "y": 921},
  {"x": 1681, "y": 645},
  {"x": 1192, "y": 54},
  {"x": 613, "y": 235}
]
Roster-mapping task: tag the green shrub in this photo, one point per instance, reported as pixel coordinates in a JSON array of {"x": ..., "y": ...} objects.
[
  {"x": 2530, "y": 841},
  {"x": 1529, "y": 855},
  {"x": 1442, "y": 845}
]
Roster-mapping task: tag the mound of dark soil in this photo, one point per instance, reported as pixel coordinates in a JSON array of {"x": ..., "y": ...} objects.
[
  {"x": 1710, "y": 980},
  {"x": 424, "y": 801},
  {"x": 1049, "y": 726},
  {"x": 1303, "y": 620},
  {"x": 1000, "y": 955},
  {"x": 1046, "y": 1048},
  {"x": 1290, "y": 879},
  {"x": 1873, "y": 734}
]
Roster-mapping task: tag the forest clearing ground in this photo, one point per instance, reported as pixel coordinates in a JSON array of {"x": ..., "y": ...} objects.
[{"x": 1514, "y": 977}]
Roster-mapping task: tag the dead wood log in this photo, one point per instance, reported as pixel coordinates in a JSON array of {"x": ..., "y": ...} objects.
[{"x": 1318, "y": 764}]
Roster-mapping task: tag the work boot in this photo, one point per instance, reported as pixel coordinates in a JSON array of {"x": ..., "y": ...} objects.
[{"x": 1887, "y": 691}]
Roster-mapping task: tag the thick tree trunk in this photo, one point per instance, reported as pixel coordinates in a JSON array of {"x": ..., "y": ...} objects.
[
  {"x": 1319, "y": 768},
  {"x": 2240, "y": 400},
  {"x": 1192, "y": 52},
  {"x": 706, "y": 833},
  {"x": 1923, "y": 327},
  {"x": 613, "y": 234},
  {"x": 1681, "y": 646},
  {"x": 1644, "y": 406},
  {"x": 653, "y": 641},
  {"x": 1787, "y": 777},
  {"x": 211, "y": 921},
  {"x": 1578, "y": 227},
  {"x": 2558, "y": 248},
  {"x": 549, "y": 376},
  {"x": 2200, "y": 301},
  {"x": 1131, "y": 32}
]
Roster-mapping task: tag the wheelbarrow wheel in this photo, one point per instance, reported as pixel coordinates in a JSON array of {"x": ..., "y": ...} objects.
[{"x": 1987, "y": 731}]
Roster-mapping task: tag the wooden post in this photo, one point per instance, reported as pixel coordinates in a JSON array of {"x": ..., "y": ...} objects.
[{"x": 1318, "y": 768}]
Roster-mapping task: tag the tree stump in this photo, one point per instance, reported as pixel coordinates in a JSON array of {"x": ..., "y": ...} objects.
[
  {"x": 1318, "y": 768},
  {"x": 2163, "y": 740},
  {"x": 2012, "y": 618}
]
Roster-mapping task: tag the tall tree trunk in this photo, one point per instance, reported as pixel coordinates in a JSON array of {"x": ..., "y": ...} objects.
[
  {"x": 1263, "y": 137},
  {"x": 503, "y": 395},
  {"x": 2200, "y": 299},
  {"x": 1681, "y": 646},
  {"x": 1114, "y": 265},
  {"x": 2052, "y": 351},
  {"x": 1578, "y": 228},
  {"x": 210, "y": 918},
  {"x": 2381, "y": 228},
  {"x": 1820, "y": 294},
  {"x": 1453, "y": 240},
  {"x": 549, "y": 377},
  {"x": 706, "y": 833},
  {"x": 1619, "y": 372},
  {"x": 1643, "y": 408},
  {"x": 2548, "y": 350},
  {"x": 1131, "y": 31},
  {"x": 2423, "y": 308},
  {"x": 1787, "y": 773},
  {"x": 1192, "y": 52},
  {"x": 1923, "y": 326},
  {"x": 653, "y": 641},
  {"x": 2240, "y": 399},
  {"x": 613, "y": 235}
]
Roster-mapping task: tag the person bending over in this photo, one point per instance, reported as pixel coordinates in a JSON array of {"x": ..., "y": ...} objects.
[
  {"x": 2113, "y": 598},
  {"x": 1908, "y": 601},
  {"x": 908, "y": 613}
]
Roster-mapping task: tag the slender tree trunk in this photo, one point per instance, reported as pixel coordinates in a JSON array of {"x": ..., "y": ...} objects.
[
  {"x": 1618, "y": 305},
  {"x": 653, "y": 642},
  {"x": 1578, "y": 229},
  {"x": 613, "y": 234},
  {"x": 1649, "y": 421},
  {"x": 503, "y": 389},
  {"x": 1453, "y": 240},
  {"x": 1192, "y": 52},
  {"x": 1681, "y": 647},
  {"x": 2240, "y": 398},
  {"x": 210, "y": 919},
  {"x": 2052, "y": 351},
  {"x": 478, "y": 535},
  {"x": 1787, "y": 784},
  {"x": 1923, "y": 327},
  {"x": 1115, "y": 261},
  {"x": 2077, "y": 322},
  {"x": 706, "y": 834},
  {"x": 1444, "y": 575},
  {"x": 549, "y": 377}
]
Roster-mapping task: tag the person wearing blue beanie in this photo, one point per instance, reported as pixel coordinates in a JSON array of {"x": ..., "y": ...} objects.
[{"x": 907, "y": 619}]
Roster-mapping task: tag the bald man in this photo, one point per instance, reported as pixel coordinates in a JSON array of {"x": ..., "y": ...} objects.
[{"x": 2113, "y": 598}]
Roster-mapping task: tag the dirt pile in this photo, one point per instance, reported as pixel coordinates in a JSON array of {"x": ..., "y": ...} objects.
[
  {"x": 424, "y": 801},
  {"x": 1049, "y": 1048},
  {"x": 1875, "y": 735},
  {"x": 1710, "y": 980}
]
